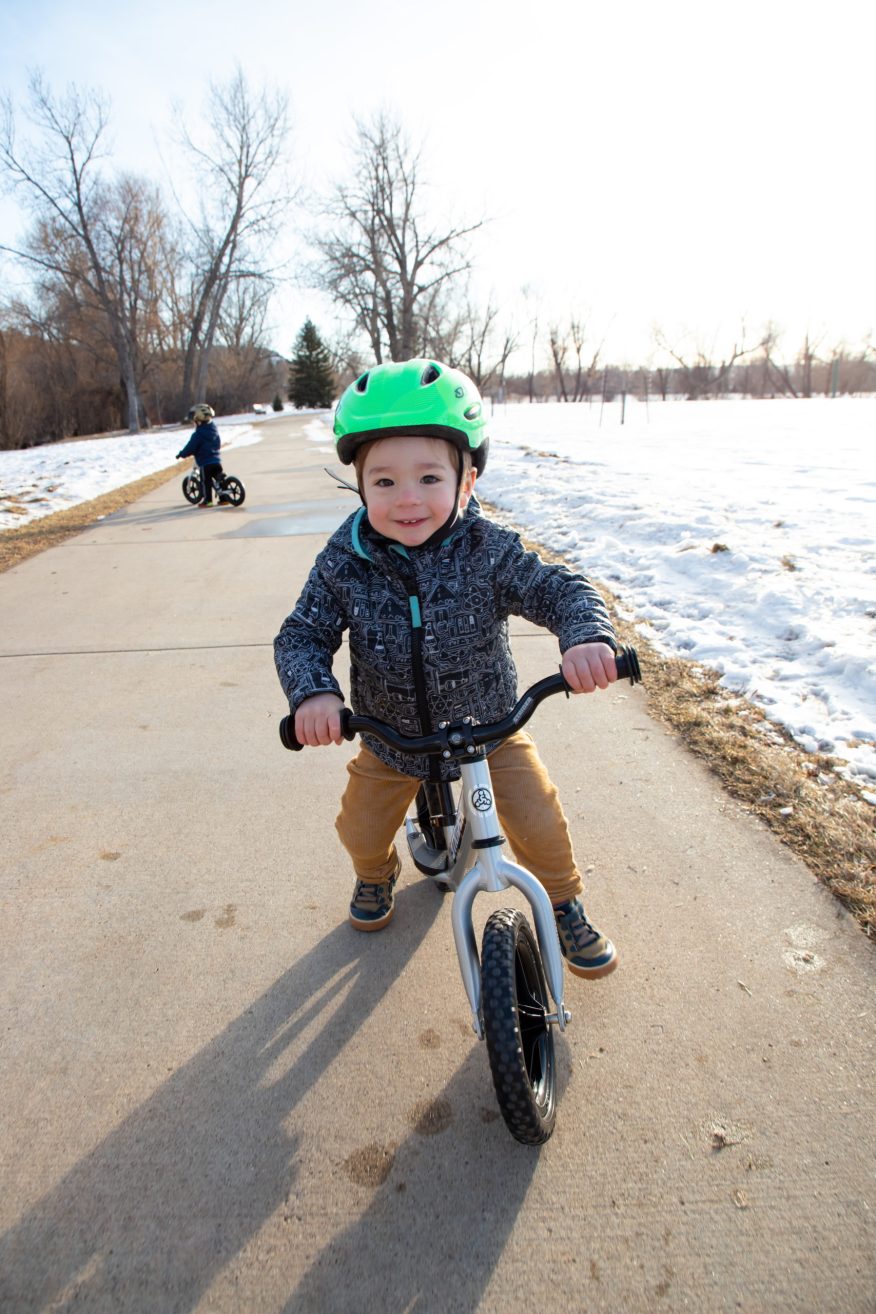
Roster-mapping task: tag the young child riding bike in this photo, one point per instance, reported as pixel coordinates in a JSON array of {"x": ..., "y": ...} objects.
[
  {"x": 204, "y": 446},
  {"x": 424, "y": 584}
]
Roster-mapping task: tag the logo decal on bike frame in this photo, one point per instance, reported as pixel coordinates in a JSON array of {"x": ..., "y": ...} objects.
[{"x": 482, "y": 799}]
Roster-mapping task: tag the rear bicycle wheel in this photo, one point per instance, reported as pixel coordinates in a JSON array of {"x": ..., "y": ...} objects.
[
  {"x": 428, "y": 805},
  {"x": 191, "y": 487},
  {"x": 234, "y": 491},
  {"x": 520, "y": 1040}
]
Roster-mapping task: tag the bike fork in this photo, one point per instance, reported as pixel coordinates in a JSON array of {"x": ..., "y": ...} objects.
[{"x": 493, "y": 872}]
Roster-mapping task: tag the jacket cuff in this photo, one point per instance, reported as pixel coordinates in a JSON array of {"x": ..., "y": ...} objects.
[{"x": 310, "y": 687}]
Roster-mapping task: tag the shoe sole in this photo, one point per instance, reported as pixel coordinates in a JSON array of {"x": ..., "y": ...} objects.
[
  {"x": 593, "y": 973},
  {"x": 371, "y": 926}
]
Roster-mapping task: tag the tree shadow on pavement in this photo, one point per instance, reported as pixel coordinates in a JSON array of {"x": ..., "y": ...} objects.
[{"x": 153, "y": 1213}]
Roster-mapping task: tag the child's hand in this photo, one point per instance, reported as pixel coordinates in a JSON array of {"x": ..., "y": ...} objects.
[
  {"x": 318, "y": 720},
  {"x": 589, "y": 666}
]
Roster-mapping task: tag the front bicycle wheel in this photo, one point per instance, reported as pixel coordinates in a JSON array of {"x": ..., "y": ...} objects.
[
  {"x": 520, "y": 1040},
  {"x": 191, "y": 487},
  {"x": 234, "y": 490}
]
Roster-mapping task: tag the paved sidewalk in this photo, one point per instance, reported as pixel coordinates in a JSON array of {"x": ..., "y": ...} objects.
[{"x": 217, "y": 1096}]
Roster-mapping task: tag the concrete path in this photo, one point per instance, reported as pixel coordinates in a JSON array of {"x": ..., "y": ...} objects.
[{"x": 218, "y": 1096}]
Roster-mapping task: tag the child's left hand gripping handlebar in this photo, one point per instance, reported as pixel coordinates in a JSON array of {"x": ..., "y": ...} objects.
[{"x": 626, "y": 662}]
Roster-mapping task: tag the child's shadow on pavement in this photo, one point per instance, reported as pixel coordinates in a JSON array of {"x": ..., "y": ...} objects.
[
  {"x": 437, "y": 1227},
  {"x": 154, "y": 1212}
]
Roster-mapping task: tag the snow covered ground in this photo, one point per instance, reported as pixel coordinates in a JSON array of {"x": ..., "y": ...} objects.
[{"x": 741, "y": 534}]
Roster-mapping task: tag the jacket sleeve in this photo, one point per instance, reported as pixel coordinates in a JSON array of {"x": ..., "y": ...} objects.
[
  {"x": 551, "y": 596},
  {"x": 308, "y": 640},
  {"x": 191, "y": 446}
]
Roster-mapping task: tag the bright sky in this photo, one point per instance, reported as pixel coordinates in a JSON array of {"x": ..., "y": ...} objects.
[{"x": 679, "y": 163}]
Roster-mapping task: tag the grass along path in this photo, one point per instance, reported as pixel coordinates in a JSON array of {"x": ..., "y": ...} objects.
[{"x": 23, "y": 541}]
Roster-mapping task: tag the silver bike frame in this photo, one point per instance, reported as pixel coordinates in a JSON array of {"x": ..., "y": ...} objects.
[{"x": 492, "y": 872}]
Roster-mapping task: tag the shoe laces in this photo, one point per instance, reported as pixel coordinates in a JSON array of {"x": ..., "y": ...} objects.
[
  {"x": 371, "y": 893},
  {"x": 574, "y": 922}
]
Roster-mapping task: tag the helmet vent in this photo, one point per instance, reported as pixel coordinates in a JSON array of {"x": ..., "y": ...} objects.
[
  {"x": 429, "y": 375},
  {"x": 362, "y": 384}
]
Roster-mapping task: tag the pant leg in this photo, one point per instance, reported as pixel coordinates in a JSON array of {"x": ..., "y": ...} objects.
[
  {"x": 209, "y": 473},
  {"x": 373, "y": 808},
  {"x": 532, "y": 817}
]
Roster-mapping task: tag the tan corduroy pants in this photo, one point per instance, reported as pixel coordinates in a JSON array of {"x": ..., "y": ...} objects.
[{"x": 377, "y": 799}]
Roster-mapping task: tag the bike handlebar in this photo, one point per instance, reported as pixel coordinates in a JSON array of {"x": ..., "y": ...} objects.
[{"x": 462, "y": 737}]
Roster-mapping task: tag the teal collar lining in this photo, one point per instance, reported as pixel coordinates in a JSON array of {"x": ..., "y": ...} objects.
[{"x": 361, "y": 550}]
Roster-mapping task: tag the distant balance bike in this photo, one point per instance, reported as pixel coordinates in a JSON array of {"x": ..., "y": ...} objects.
[{"x": 192, "y": 486}]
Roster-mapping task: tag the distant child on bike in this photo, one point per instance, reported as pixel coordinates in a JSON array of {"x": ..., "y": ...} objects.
[
  {"x": 204, "y": 446},
  {"x": 424, "y": 583}
]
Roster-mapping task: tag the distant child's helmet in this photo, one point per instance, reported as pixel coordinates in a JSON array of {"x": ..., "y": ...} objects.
[
  {"x": 202, "y": 413},
  {"x": 412, "y": 398}
]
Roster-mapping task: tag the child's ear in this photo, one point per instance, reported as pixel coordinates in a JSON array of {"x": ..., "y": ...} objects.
[{"x": 467, "y": 488}]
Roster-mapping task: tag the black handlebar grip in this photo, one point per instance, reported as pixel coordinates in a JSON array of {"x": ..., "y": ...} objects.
[
  {"x": 287, "y": 734},
  {"x": 627, "y": 663},
  {"x": 287, "y": 730}
]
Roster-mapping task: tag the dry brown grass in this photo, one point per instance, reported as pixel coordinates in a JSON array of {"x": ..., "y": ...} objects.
[
  {"x": 23, "y": 541},
  {"x": 821, "y": 816}
]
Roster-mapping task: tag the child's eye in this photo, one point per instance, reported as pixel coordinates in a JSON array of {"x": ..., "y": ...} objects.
[
  {"x": 431, "y": 479},
  {"x": 383, "y": 482}
]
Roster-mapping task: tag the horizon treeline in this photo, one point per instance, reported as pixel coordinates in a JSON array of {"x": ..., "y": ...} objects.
[{"x": 137, "y": 305}]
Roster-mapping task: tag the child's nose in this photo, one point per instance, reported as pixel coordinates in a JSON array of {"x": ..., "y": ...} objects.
[{"x": 409, "y": 493}]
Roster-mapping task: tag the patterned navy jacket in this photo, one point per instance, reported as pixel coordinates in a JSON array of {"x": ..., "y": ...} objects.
[
  {"x": 428, "y": 628},
  {"x": 203, "y": 445}
]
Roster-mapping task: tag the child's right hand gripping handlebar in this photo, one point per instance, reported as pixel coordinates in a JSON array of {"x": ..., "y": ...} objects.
[{"x": 442, "y": 742}]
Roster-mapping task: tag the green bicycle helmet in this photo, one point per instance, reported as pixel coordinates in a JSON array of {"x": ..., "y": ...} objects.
[{"x": 412, "y": 398}]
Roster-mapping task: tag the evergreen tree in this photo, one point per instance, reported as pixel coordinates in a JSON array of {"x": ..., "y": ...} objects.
[{"x": 311, "y": 379}]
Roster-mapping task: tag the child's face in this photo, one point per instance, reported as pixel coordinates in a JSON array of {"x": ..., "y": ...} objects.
[{"x": 409, "y": 487}]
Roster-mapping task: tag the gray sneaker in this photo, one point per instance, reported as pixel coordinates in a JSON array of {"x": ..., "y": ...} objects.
[
  {"x": 587, "y": 951},
  {"x": 373, "y": 903}
]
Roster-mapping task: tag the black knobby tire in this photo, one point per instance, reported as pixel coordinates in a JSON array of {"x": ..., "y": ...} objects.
[
  {"x": 520, "y": 1040},
  {"x": 191, "y": 487},
  {"x": 234, "y": 490}
]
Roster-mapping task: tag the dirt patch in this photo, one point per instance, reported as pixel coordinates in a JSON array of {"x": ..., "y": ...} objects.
[
  {"x": 822, "y": 817},
  {"x": 23, "y": 541},
  {"x": 370, "y": 1166}
]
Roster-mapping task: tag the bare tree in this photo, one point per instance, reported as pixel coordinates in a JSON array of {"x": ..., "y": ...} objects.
[
  {"x": 95, "y": 239},
  {"x": 775, "y": 375},
  {"x": 383, "y": 260},
  {"x": 701, "y": 374},
  {"x": 806, "y": 360},
  {"x": 559, "y": 350},
  {"x": 471, "y": 340},
  {"x": 243, "y": 199},
  {"x": 530, "y": 297},
  {"x": 585, "y": 372}
]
